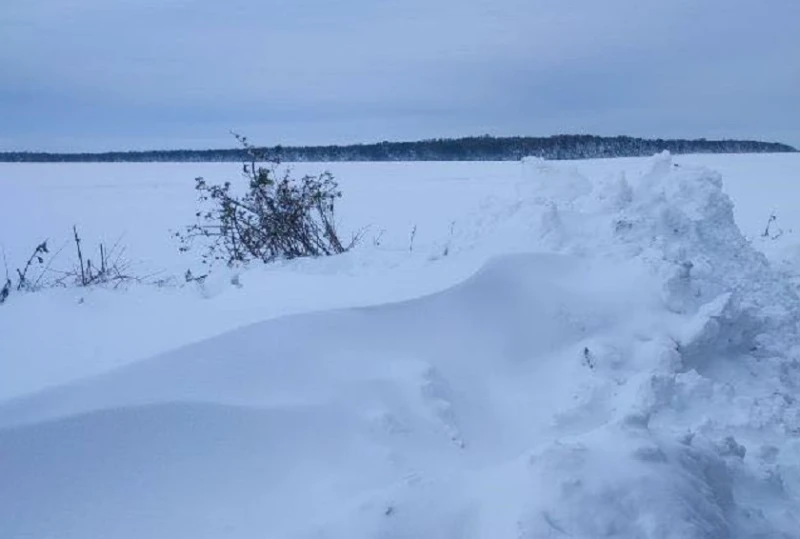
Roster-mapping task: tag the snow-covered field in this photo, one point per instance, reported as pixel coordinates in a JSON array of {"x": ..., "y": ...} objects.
[{"x": 571, "y": 349}]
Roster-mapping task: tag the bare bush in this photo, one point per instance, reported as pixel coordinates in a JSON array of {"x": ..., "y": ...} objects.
[
  {"x": 108, "y": 267},
  {"x": 277, "y": 217}
]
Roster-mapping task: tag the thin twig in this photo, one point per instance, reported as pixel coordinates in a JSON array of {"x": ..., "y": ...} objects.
[
  {"x": 5, "y": 262},
  {"x": 49, "y": 264},
  {"x": 80, "y": 255},
  {"x": 36, "y": 255}
]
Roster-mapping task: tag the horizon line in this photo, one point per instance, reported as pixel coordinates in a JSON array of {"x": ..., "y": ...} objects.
[{"x": 417, "y": 141}]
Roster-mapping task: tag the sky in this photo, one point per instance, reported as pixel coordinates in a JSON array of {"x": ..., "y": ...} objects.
[{"x": 96, "y": 75}]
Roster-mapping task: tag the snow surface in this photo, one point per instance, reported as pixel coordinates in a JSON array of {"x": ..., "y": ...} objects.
[{"x": 589, "y": 349}]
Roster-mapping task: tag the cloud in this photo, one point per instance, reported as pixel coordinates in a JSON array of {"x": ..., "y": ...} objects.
[{"x": 82, "y": 72}]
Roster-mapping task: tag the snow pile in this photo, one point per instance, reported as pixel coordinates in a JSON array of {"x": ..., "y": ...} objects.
[
  {"x": 624, "y": 367},
  {"x": 719, "y": 391}
]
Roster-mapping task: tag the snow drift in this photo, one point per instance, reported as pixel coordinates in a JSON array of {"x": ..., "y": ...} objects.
[{"x": 629, "y": 372}]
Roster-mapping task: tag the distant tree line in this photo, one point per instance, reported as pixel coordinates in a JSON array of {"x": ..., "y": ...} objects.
[{"x": 483, "y": 148}]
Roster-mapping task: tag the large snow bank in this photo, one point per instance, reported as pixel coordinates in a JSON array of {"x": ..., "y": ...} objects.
[{"x": 628, "y": 373}]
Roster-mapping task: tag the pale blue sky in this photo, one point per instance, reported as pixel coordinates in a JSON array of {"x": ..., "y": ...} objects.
[{"x": 135, "y": 74}]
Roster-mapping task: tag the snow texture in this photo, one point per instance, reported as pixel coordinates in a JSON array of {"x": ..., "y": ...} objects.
[{"x": 617, "y": 361}]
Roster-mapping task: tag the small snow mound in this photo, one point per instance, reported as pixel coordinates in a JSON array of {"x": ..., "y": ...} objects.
[
  {"x": 532, "y": 160},
  {"x": 544, "y": 182},
  {"x": 652, "y": 489}
]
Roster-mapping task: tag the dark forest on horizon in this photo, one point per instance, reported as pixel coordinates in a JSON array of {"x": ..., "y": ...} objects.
[{"x": 482, "y": 148}]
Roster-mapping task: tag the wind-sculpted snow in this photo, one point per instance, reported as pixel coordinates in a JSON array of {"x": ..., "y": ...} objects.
[{"x": 629, "y": 372}]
